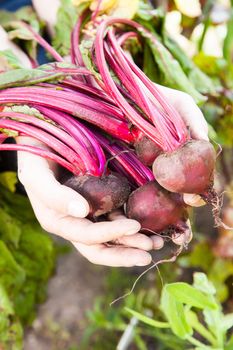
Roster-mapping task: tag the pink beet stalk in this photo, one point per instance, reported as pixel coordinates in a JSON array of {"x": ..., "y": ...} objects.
[
  {"x": 41, "y": 153},
  {"x": 163, "y": 125}
]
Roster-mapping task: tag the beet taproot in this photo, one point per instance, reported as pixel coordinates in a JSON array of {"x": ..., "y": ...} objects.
[
  {"x": 103, "y": 194},
  {"x": 155, "y": 208},
  {"x": 189, "y": 169}
]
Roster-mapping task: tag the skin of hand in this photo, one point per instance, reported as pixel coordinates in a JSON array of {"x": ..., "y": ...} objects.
[{"x": 62, "y": 211}]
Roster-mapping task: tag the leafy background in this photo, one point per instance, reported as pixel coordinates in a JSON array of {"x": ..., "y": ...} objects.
[{"x": 77, "y": 314}]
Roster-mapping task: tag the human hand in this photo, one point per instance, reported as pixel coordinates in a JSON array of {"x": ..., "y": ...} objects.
[
  {"x": 62, "y": 211},
  {"x": 194, "y": 120}
]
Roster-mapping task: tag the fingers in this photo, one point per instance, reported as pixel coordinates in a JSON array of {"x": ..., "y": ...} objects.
[
  {"x": 81, "y": 230},
  {"x": 36, "y": 175},
  {"x": 158, "y": 242},
  {"x": 189, "y": 111},
  {"x": 140, "y": 240},
  {"x": 194, "y": 200},
  {"x": 115, "y": 256}
]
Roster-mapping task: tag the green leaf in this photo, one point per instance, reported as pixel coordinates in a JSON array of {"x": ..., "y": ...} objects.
[
  {"x": 12, "y": 276},
  {"x": 8, "y": 60},
  {"x": 171, "y": 73},
  {"x": 66, "y": 19},
  {"x": 228, "y": 42},
  {"x": 199, "y": 327},
  {"x": 147, "y": 320},
  {"x": 174, "y": 312},
  {"x": 10, "y": 228},
  {"x": 24, "y": 77},
  {"x": 8, "y": 179},
  {"x": 227, "y": 322},
  {"x": 5, "y": 303},
  {"x": 202, "y": 283},
  {"x": 25, "y": 109},
  {"x": 186, "y": 294},
  {"x": 219, "y": 272},
  {"x": 199, "y": 79},
  {"x": 229, "y": 345},
  {"x": 214, "y": 320},
  {"x": 13, "y": 23}
]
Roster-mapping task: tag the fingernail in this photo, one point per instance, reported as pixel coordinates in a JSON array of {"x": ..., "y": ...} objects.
[
  {"x": 158, "y": 242},
  {"x": 77, "y": 210},
  {"x": 146, "y": 260}
]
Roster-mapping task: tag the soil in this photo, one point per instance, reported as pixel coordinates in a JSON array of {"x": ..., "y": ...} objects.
[{"x": 61, "y": 320}]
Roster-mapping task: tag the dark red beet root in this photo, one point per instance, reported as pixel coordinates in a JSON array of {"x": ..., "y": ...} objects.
[
  {"x": 146, "y": 150},
  {"x": 155, "y": 208},
  {"x": 103, "y": 194},
  {"x": 189, "y": 169}
]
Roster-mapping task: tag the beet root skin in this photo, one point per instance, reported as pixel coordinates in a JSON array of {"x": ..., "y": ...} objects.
[
  {"x": 190, "y": 169},
  {"x": 155, "y": 208},
  {"x": 147, "y": 151},
  {"x": 103, "y": 194}
]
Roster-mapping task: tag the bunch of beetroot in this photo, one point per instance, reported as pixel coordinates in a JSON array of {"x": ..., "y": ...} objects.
[{"x": 108, "y": 126}]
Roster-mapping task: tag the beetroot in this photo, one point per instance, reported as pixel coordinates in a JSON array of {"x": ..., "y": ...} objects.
[
  {"x": 102, "y": 193},
  {"x": 156, "y": 209},
  {"x": 189, "y": 169},
  {"x": 147, "y": 151}
]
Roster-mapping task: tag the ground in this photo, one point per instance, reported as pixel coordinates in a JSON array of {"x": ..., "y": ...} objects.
[{"x": 61, "y": 319}]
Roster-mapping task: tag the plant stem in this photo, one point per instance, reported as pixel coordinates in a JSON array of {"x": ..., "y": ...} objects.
[{"x": 197, "y": 343}]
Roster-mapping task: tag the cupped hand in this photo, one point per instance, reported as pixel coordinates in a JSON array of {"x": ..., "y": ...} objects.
[
  {"x": 62, "y": 211},
  {"x": 196, "y": 123}
]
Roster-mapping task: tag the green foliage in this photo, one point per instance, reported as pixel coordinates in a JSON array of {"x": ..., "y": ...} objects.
[
  {"x": 8, "y": 60},
  {"x": 218, "y": 270},
  {"x": 180, "y": 303},
  {"x": 13, "y": 23},
  {"x": 66, "y": 19},
  {"x": 8, "y": 179},
  {"x": 27, "y": 257}
]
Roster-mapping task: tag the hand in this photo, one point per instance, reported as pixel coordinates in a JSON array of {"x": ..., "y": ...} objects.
[
  {"x": 62, "y": 211},
  {"x": 196, "y": 122}
]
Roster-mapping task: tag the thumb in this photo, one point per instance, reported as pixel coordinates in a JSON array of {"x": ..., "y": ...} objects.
[
  {"x": 194, "y": 200},
  {"x": 37, "y": 177}
]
